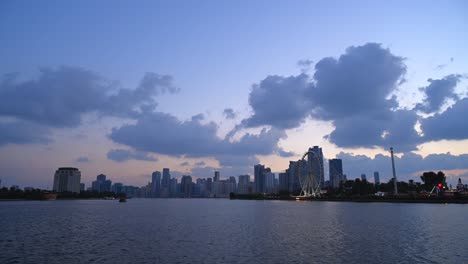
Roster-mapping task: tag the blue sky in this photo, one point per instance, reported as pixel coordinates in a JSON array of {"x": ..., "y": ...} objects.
[{"x": 215, "y": 52}]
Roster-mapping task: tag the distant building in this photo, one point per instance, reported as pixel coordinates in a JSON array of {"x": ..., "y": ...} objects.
[
  {"x": 335, "y": 167},
  {"x": 82, "y": 187},
  {"x": 259, "y": 178},
  {"x": 118, "y": 187},
  {"x": 376, "y": 177},
  {"x": 173, "y": 190},
  {"x": 244, "y": 183},
  {"x": 283, "y": 181},
  {"x": 363, "y": 177},
  {"x": 269, "y": 184},
  {"x": 101, "y": 184},
  {"x": 156, "y": 184},
  {"x": 216, "y": 176},
  {"x": 165, "y": 183},
  {"x": 67, "y": 179},
  {"x": 186, "y": 186}
]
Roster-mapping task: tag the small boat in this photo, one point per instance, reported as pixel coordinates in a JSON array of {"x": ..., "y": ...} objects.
[{"x": 122, "y": 200}]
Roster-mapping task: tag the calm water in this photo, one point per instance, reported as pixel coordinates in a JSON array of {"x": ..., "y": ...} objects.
[{"x": 224, "y": 231}]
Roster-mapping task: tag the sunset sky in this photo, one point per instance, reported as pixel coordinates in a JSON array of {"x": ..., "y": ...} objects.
[{"x": 125, "y": 88}]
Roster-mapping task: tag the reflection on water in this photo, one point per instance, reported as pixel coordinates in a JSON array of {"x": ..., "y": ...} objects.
[{"x": 225, "y": 231}]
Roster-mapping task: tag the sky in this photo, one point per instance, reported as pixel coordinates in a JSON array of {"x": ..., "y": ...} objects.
[{"x": 126, "y": 88}]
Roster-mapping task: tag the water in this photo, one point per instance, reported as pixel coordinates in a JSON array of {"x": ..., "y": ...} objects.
[{"x": 225, "y": 231}]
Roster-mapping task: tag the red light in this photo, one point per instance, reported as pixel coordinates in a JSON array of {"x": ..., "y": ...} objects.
[{"x": 439, "y": 185}]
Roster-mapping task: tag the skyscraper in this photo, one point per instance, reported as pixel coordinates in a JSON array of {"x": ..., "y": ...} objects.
[
  {"x": 335, "y": 167},
  {"x": 166, "y": 178},
  {"x": 259, "y": 178},
  {"x": 156, "y": 183},
  {"x": 67, "y": 179},
  {"x": 101, "y": 184},
  {"x": 269, "y": 182},
  {"x": 216, "y": 176},
  {"x": 243, "y": 186},
  {"x": 294, "y": 171},
  {"x": 186, "y": 186},
  {"x": 363, "y": 177},
  {"x": 376, "y": 177},
  {"x": 283, "y": 181},
  {"x": 315, "y": 163}
]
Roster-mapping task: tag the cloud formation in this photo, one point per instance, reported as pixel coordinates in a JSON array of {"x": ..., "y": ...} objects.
[
  {"x": 163, "y": 133},
  {"x": 122, "y": 155},
  {"x": 58, "y": 98},
  {"x": 229, "y": 113},
  {"x": 438, "y": 92},
  {"x": 82, "y": 160}
]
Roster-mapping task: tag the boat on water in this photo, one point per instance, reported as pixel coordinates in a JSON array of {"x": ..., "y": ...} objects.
[
  {"x": 122, "y": 200},
  {"x": 48, "y": 196}
]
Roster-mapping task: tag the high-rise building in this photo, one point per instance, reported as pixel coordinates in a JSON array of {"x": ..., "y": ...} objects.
[
  {"x": 118, "y": 187},
  {"x": 363, "y": 177},
  {"x": 186, "y": 186},
  {"x": 294, "y": 171},
  {"x": 376, "y": 177},
  {"x": 315, "y": 164},
  {"x": 269, "y": 184},
  {"x": 216, "y": 176},
  {"x": 166, "y": 177},
  {"x": 233, "y": 184},
  {"x": 173, "y": 188},
  {"x": 101, "y": 184},
  {"x": 156, "y": 183},
  {"x": 259, "y": 178},
  {"x": 82, "y": 187},
  {"x": 243, "y": 186},
  {"x": 67, "y": 179},
  {"x": 283, "y": 181},
  {"x": 335, "y": 167}
]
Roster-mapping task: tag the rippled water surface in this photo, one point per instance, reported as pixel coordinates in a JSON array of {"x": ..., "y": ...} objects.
[{"x": 225, "y": 231}]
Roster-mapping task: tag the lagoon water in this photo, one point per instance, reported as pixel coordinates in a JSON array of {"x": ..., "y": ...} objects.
[{"x": 231, "y": 231}]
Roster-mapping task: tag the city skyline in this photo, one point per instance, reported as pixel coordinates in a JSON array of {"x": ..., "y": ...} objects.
[{"x": 224, "y": 87}]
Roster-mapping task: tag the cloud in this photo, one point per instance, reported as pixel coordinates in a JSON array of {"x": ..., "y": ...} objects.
[
  {"x": 450, "y": 124},
  {"x": 437, "y": 93},
  {"x": 184, "y": 164},
  {"x": 229, "y": 113},
  {"x": 15, "y": 132},
  {"x": 305, "y": 64},
  {"x": 353, "y": 91},
  {"x": 281, "y": 102},
  {"x": 200, "y": 164},
  {"x": 121, "y": 155},
  {"x": 82, "y": 160},
  {"x": 58, "y": 98}
]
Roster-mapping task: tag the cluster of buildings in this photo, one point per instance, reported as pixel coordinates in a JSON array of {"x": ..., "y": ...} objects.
[{"x": 162, "y": 185}]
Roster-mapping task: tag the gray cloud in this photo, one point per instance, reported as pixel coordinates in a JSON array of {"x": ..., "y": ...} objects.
[
  {"x": 184, "y": 164},
  {"x": 16, "y": 132},
  {"x": 163, "y": 133},
  {"x": 82, "y": 160},
  {"x": 358, "y": 83},
  {"x": 229, "y": 113},
  {"x": 450, "y": 124},
  {"x": 281, "y": 102},
  {"x": 200, "y": 164},
  {"x": 354, "y": 91},
  {"x": 121, "y": 155},
  {"x": 59, "y": 98},
  {"x": 437, "y": 92}
]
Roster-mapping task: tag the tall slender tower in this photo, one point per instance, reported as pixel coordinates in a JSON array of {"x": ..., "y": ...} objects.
[{"x": 395, "y": 188}]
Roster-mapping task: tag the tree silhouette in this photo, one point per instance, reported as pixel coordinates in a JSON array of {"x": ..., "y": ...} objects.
[{"x": 431, "y": 179}]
